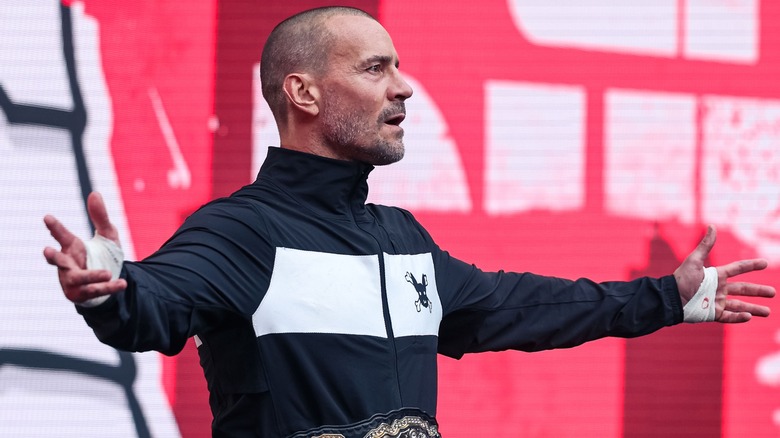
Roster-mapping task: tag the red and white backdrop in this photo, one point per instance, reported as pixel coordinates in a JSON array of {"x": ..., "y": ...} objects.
[{"x": 570, "y": 138}]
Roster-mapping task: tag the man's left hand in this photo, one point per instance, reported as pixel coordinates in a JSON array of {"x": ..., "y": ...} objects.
[{"x": 727, "y": 310}]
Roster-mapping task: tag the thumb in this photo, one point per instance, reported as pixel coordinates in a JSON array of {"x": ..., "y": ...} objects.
[
  {"x": 99, "y": 216},
  {"x": 704, "y": 247}
]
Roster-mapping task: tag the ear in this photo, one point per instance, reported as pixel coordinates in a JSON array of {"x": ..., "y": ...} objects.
[{"x": 302, "y": 93}]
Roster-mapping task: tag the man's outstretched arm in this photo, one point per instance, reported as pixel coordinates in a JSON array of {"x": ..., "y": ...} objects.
[
  {"x": 199, "y": 277},
  {"x": 486, "y": 311}
]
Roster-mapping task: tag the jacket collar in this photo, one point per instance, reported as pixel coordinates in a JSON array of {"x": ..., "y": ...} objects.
[{"x": 325, "y": 185}]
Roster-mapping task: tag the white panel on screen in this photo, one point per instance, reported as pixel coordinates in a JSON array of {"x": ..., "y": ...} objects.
[
  {"x": 709, "y": 29},
  {"x": 534, "y": 147},
  {"x": 33, "y": 66},
  {"x": 722, "y": 30},
  {"x": 741, "y": 169},
  {"x": 650, "y": 154},
  {"x": 642, "y": 26}
]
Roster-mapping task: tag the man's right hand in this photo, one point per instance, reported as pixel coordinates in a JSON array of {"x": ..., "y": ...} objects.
[{"x": 79, "y": 283}]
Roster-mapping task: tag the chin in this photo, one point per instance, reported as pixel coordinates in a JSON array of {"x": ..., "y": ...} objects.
[
  {"x": 388, "y": 154},
  {"x": 387, "y": 161}
]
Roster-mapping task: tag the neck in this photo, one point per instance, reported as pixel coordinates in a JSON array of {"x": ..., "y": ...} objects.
[{"x": 303, "y": 139}]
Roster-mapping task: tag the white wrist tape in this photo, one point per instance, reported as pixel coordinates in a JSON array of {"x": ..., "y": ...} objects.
[
  {"x": 701, "y": 308},
  {"x": 105, "y": 254}
]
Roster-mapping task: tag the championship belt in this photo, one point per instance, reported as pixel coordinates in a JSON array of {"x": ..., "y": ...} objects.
[{"x": 403, "y": 423}]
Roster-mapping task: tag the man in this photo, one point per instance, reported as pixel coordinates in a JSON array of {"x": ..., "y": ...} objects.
[{"x": 317, "y": 315}]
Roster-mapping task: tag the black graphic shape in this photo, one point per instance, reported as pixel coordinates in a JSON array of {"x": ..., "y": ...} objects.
[{"x": 421, "y": 292}]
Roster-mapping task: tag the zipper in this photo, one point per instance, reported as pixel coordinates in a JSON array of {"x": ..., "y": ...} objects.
[
  {"x": 383, "y": 288},
  {"x": 388, "y": 321}
]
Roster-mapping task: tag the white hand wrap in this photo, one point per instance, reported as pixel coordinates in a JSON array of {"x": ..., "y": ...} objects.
[
  {"x": 105, "y": 254},
  {"x": 701, "y": 308}
]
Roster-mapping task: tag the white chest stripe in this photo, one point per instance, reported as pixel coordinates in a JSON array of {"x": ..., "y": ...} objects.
[{"x": 316, "y": 292}]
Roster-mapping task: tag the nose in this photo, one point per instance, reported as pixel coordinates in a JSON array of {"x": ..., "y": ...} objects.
[{"x": 401, "y": 90}]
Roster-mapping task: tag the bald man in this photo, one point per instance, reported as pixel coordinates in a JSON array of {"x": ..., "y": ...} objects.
[{"x": 318, "y": 315}]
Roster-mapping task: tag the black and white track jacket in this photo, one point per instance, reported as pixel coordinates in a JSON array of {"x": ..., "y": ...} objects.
[{"x": 317, "y": 314}]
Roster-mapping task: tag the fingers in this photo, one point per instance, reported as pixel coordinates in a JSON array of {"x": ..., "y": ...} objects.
[
  {"x": 94, "y": 290},
  {"x": 99, "y": 216},
  {"x": 71, "y": 274},
  {"x": 734, "y": 318},
  {"x": 736, "y": 311},
  {"x": 738, "y": 306},
  {"x": 59, "y": 259},
  {"x": 750, "y": 290},
  {"x": 742, "y": 266},
  {"x": 80, "y": 285},
  {"x": 85, "y": 278},
  {"x": 58, "y": 231}
]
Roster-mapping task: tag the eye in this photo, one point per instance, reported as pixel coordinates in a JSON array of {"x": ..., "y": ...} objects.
[{"x": 376, "y": 68}]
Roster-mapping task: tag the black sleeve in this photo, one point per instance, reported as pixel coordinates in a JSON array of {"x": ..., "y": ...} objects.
[
  {"x": 522, "y": 311},
  {"x": 217, "y": 265}
]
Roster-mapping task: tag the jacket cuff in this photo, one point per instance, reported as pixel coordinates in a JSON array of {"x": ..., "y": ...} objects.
[{"x": 672, "y": 295}]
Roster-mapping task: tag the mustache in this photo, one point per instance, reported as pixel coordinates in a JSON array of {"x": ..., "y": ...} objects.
[{"x": 393, "y": 110}]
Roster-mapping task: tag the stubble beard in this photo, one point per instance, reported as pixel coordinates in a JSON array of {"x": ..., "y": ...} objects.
[{"x": 346, "y": 132}]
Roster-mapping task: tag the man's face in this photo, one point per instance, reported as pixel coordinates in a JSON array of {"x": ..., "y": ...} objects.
[{"x": 363, "y": 93}]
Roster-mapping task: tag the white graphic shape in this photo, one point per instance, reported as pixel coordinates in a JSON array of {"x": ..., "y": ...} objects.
[
  {"x": 741, "y": 169},
  {"x": 179, "y": 177},
  {"x": 430, "y": 176},
  {"x": 650, "y": 155},
  {"x": 534, "y": 147},
  {"x": 640, "y": 26},
  {"x": 722, "y": 30},
  {"x": 32, "y": 66}
]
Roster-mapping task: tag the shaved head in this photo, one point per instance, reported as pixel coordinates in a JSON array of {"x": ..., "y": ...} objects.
[{"x": 299, "y": 44}]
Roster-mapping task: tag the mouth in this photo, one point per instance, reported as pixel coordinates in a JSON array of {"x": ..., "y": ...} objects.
[{"x": 395, "y": 119}]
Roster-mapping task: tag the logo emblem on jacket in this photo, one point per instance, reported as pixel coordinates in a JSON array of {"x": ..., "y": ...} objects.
[{"x": 423, "y": 300}]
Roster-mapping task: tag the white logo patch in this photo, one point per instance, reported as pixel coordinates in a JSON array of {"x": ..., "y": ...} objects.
[{"x": 415, "y": 307}]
